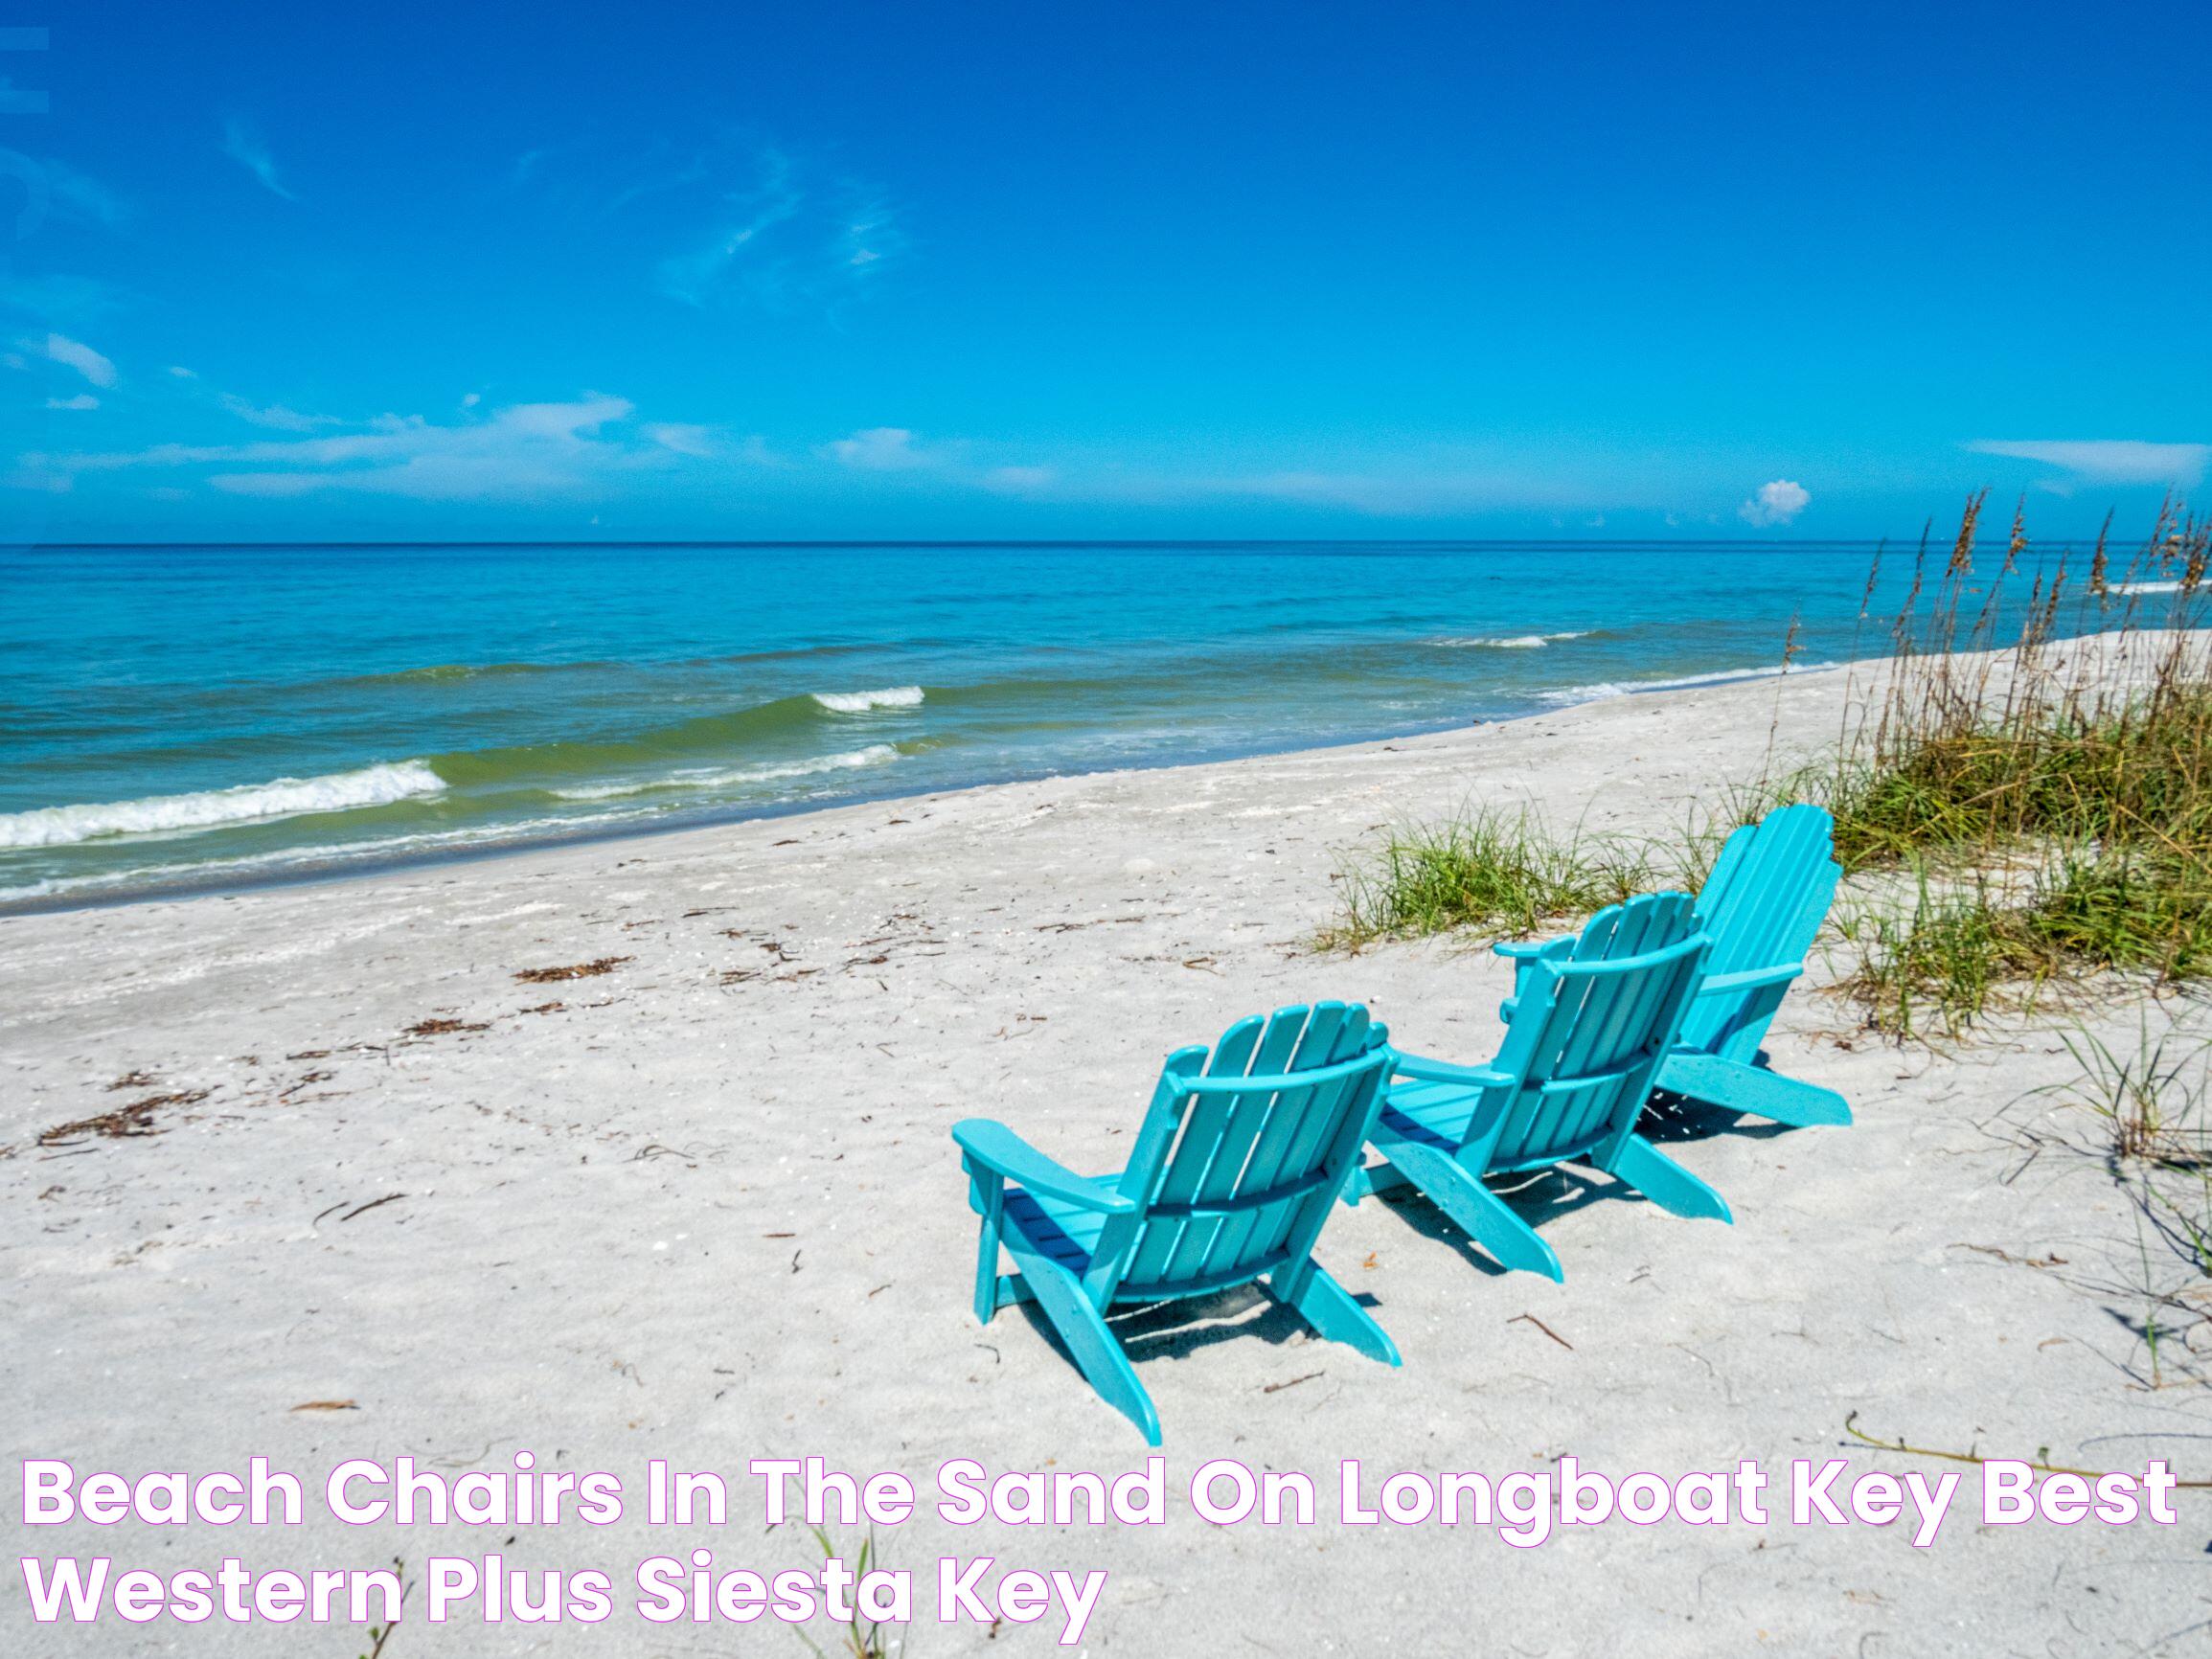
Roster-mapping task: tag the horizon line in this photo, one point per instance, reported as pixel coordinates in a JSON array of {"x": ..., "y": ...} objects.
[{"x": 1009, "y": 542}]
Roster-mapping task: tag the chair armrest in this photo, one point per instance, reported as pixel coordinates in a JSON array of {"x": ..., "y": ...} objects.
[
  {"x": 1520, "y": 949},
  {"x": 1721, "y": 984},
  {"x": 1429, "y": 1071},
  {"x": 1005, "y": 1153}
]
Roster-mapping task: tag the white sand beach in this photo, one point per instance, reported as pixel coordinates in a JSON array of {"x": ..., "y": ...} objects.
[{"x": 703, "y": 1207}]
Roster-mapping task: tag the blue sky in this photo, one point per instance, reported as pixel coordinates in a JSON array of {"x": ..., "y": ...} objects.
[{"x": 1008, "y": 270}]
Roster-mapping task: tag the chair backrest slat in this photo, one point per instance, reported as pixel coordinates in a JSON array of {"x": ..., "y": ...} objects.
[
  {"x": 1763, "y": 905},
  {"x": 1241, "y": 1169},
  {"x": 1584, "y": 1046}
]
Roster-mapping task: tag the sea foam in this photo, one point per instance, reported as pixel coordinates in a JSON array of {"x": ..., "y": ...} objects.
[
  {"x": 705, "y": 778},
  {"x": 209, "y": 808},
  {"x": 1565, "y": 695},
  {"x": 860, "y": 702},
  {"x": 1510, "y": 641}
]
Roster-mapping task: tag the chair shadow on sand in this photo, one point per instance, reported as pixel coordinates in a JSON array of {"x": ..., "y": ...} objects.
[
  {"x": 1543, "y": 1196},
  {"x": 1177, "y": 1329}
]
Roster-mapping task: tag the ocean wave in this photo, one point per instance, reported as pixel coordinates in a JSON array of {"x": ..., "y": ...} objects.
[
  {"x": 1511, "y": 642},
  {"x": 437, "y": 672},
  {"x": 721, "y": 738},
  {"x": 1565, "y": 695},
  {"x": 213, "y": 808},
  {"x": 313, "y": 856},
  {"x": 860, "y": 702},
  {"x": 2145, "y": 588},
  {"x": 709, "y": 778}
]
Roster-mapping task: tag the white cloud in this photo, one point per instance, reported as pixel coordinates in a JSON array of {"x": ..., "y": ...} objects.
[
  {"x": 25, "y": 476},
  {"x": 245, "y": 145},
  {"x": 682, "y": 438},
  {"x": 2107, "y": 460},
  {"x": 524, "y": 450},
  {"x": 182, "y": 373},
  {"x": 877, "y": 449},
  {"x": 276, "y": 417},
  {"x": 76, "y": 354},
  {"x": 1775, "y": 504},
  {"x": 83, "y": 401}
]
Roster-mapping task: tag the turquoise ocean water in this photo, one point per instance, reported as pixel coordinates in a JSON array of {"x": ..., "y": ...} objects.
[{"x": 207, "y": 716}]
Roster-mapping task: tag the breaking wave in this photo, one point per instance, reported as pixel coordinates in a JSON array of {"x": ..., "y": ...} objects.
[
  {"x": 860, "y": 702},
  {"x": 1511, "y": 642},
  {"x": 210, "y": 808}
]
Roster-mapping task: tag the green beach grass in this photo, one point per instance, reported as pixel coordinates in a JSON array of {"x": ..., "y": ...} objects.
[{"x": 2020, "y": 811}]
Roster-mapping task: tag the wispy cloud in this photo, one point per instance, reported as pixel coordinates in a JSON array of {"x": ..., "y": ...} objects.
[
  {"x": 661, "y": 176},
  {"x": 1447, "y": 488},
  {"x": 83, "y": 401},
  {"x": 243, "y": 144},
  {"x": 682, "y": 437},
  {"x": 878, "y": 450},
  {"x": 869, "y": 233},
  {"x": 521, "y": 452},
  {"x": 1020, "y": 480},
  {"x": 2107, "y": 460},
  {"x": 705, "y": 272},
  {"x": 1775, "y": 504},
  {"x": 782, "y": 238},
  {"x": 276, "y": 417},
  {"x": 56, "y": 298},
  {"x": 73, "y": 354},
  {"x": 60, "y": 188},
  {"x": 1451, "y": 484}
]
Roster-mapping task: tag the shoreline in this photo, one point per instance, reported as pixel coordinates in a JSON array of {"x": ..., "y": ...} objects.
[{"x": 365, "y": 865}]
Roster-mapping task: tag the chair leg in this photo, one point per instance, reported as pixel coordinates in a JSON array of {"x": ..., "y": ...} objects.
[
  {"x": 1060, "y": 1294},
  {"x": 1489, "y": 1220},
  {"x": 1744, "y": 1088},
  {"x": 987, "y": 1297},
  {"x": 1665, "y": 1182},
  {"x": 1370, "y": 1179},
  {"x": 1329, "y": 1309}
]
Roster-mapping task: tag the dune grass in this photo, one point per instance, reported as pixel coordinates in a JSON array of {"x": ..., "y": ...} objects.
[
  {"x": 859, "y": 1637},
  {"x": 2152, "y": 1101},
  {"x": 2051, "y": 819},
  {"x": 2020, "y": 807},
  {"x": 1506, "y": 874}
]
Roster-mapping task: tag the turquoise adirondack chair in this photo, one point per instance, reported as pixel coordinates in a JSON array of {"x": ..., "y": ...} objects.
[
  {"x": 1234, "y": 1170},
  {"x": 1596, "y": 1017},
  {"x": 1763, "y": 905}
]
